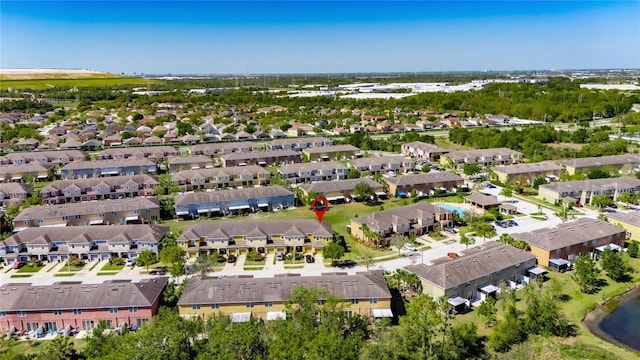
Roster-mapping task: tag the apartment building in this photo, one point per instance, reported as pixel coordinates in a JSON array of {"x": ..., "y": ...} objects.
[
  {"x": 238, "y": 237},
  {"x": 150, "y": 152},
  {"x": 193, "y": 162},
  {"x": 317, "y": 171},
  {"x": 627, "y": 164},
  {"x": 424, "y": 184},
  {"x": 383, "y": 164},
  {"x": 244, "y": 298},
  {"x": 21, "y": 173},
  {"x": 630, "y": 221},
  {"x": 583, "y": 191},
  {"x": 299, "y": 144},
  {"x": 98, "y": 188},
  {"x": 14, "y": 193},
  {"x": 261, "y": 158},
  {"x": 74, "y": 305},
  {"x": 416, "y": 219},
  {"x": 335, "y": 152},
  {"x": 482, "y": 157},
  {"x": 341, "y": 190},
  {"x": 526, "y": 174},
  {"x": 102, "y": 168},
  {"x": 226, "y": 148},
  {"x": 56, "y": 244},
  {"x": 62, "y": 157},
  {"x": 111, "y": 212},
  {"x": 571, "y": 239},
  {"x": 234, "y": 201},
  {"x": 221, "y": 178},
  {"x": 423, "y": 151}
]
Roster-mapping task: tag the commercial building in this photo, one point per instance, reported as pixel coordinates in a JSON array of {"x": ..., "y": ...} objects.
[
  {"x": 316, "y": 171},
  {"x": 238, "y": 237},
  {"x": 526, "y": 174},
  {"x": 383, "y": 164},
  {"x": 193, "y": 162},
  {"x": 424, "y": 184},
  {"x": 86, "y": 242},
  {"x": 235, "y": 201},
  {"x": 482, "y": 157},
  {"x": 101, "y": 168},
  {"x": 423, "y": 151},
  {"x": 298, "y": 144},
  {"x": 583, "y": 191},
  {"x": 14, "y": 193},
  {"x": 571, "y": 239},
  {"x": 627, "y": 164},
  {"x": 476, "y": 273},
  {"x": 73, "y": 305},
  {"x": 118, "y": 212},
  {"x": 112, "y": 187},
  {"x": 341, "y": 190},
  {"x": 416, "y": 219},
  {"x": 261, "y": 158},
  {"x": 23, "y": 172},
  {"x": 265, "y": 298},
  {"x": 335, "y": 152},
  {"x": 221, "y": 178}
]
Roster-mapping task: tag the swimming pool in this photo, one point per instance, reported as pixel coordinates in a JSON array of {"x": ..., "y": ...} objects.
[{"x": 452, "y": 208}]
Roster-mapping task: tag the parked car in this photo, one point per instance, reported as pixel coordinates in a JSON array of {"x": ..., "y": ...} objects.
[
  {"x": 129, "y": 262},
  {"x": 280, "y": 256},
  {"x": 410, "y": 247},
  {"x": 451, "y": 230},
  {"x": 490, "y": 186},
  {"x": 512, "y": 223},
  {"x": 502, "y": 223},
  {"x": 343, "y": 263},
  {"x": 231, "y": 259},
  {"x": 309, "y": 258},
  {"x": 18, "y": 265}
]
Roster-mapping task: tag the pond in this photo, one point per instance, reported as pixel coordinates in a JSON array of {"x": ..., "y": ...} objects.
[{"x": 621, "y": 325}]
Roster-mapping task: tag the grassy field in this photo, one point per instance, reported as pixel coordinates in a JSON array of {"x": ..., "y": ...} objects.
[
  {"x": 583, "y": 346},
  {"x": 112, "y": 267},
  {"x": 81, "y": 82},
  {"x": 29, "y": 268}
]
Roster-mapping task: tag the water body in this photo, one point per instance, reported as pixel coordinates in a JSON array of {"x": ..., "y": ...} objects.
[{"x": 621, "y": 325}]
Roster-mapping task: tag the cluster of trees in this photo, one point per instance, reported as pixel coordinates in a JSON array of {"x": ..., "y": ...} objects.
[
  {"x": 533, "y": 140},
  {"x": 25, "y": 105},
  {"x": 392, "y": 143},
  {"x": 19, "y": 131},
  {"x": 587, "y": 270},
  {"x": 519, "y": 244}
]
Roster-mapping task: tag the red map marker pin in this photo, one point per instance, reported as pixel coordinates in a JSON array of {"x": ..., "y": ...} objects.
[{"x": 320, "y": 206}]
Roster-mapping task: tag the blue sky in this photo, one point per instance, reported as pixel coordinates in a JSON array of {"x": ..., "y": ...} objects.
[{"x": 239, "y": 37}]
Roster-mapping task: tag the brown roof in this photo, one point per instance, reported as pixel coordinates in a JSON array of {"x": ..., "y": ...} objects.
[
  {"x": 91, "y": 182},
  {"x": 426, "y": 178},
  {"x": 475, "y": 264},
  {"x": 232, "y": 194},
  {"x": 383, "y": 220},
  {"x": 108, "y": 163},
  {"x": 259, "y": 154},
  {"x": 54, "y": 211},
  {"x": 230, "y": 228},
  {"x": 569, "y": 233},
  {"x": 181, "y": 160},
  {"x": 76, "y": 295},
  {"x": 144, "y": 233},
  {"x": 330, "y": 149},
  {"x": 482, "y": 199},
  {"x": 213, "y": 290},
  {"x": 338, "y": 185}
]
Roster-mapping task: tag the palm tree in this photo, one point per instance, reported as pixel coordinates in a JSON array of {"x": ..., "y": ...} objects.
[{"x": 485, "y": 230}]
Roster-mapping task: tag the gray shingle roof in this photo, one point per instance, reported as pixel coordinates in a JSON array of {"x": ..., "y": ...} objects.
[
  {"x": 427, "y": 178},
  {"x": 109, "y": 180},
  {"x": 53, "y": 211},
  {"x": 146, "y": 233},
  {"x": 110, "y": 163},
  {"x": 330, "y": 149},
  {"x": 231, "y": 228},
  {"x": 632, "y": 218},
  {"x": 259, "y": 154},
  {"x": 624, "y": 182},
  {"x": 229, "y": 195},
  {"x": 289, "y": 168},
  {"x": 179, "y": 160},
  {"x": 602, "y": 161},
  {"x": 337, "y": 185},
  {"x": 527, "y": 168}
]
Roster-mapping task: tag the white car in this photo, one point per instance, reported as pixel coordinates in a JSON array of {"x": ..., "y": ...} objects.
[{"x": 410, "y": 247}]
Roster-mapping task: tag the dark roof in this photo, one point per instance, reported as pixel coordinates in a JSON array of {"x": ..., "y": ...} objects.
[
  {"x": 231, "y": 228},
  {"x": 144, "y": 233},
  {"x": 338, "y": 185},
  {"x": 427, "y": 178},
  {"x": 213, "y": 290},
  {"x": 72, "y": 209},
  {"x": 232, "y": 194},
  {"x": 482, "y": 199},
  {"x": 259, "y": 154}
]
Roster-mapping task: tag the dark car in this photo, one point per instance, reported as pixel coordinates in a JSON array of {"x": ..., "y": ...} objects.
[
  {"x": 512, "y": 223},
  {"x": 502, "y": 224},
  {"x": 309, "y": 258},
  {"x": 231, "y": 259}
]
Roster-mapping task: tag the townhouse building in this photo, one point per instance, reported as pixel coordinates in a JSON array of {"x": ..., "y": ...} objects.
[
  {"x": 21, "y": 173},
  {"x": 383, "y": 164},
  {"x": 233, "y": 201},
  {"x": 238, "y": 237},
  {"x": 151, "y": 152},
  {"x": 341, "y": 190},
  {"x": 85, "y": 242},
  {"x": 73, "y": 305},
  {"x": 102, "y": 168},
  {"x": 526, "y": 174},
  {"x": 482, "y": 157},
  {"x": 111, "y": 212},
  {"x": 630, "y": 221},
  {"x": 310, "y": 172},
  {"x": 626, "y": 164},
  {"x": 193, "y": 162},
  {"x": 14, "y": 193},
  {"x": 562, "y": 244},
  {"x": 299, "y": 144},
  {"x": 335, "y": 152},
  {"x": 62, "y": 157},
  {"x": 423, "y": 151},
  {"x": 226, "y": 148},
  {"x": 244, "y": 298},
  {"x": 261, "y": 158},
  {"x": 98, "y": 188},
  {"x": 424, "y": 184},
  {"x": 476, "y": 273},
  {"x": 221, "y": 178},
  {"x": 583, "y": 191},
  {"x": 416, "y": 219}
]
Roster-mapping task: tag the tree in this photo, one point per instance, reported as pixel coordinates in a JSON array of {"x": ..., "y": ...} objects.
[
  {"x": 366, "y": 257},
  {"x": 233, "y": 341},
  {"x": 353, "y": 174},
  {"x": 471, "y": 169},
  {"x": 487, "y": 311},
  {"x": 467, "y": 240},
  {"x": 185, "y": 128},
  {"x": 612, "y": 262},
  {"x": 60, "y": 348},
  {"x": 538, "y": 181},
  {"x": 602, "y": 200},
  {"x": 507, "y": 332},
  {"x": 399, "y": 240},
  {"x": 425, "y": 168},
  {"x": 146, "y": 258},
  {"x": 633, "y": 248},
  {"x": 586, "y": 274},
  {"x": 174, "y": 255},
  {"x": 333, "y": 251},
  {"x": 506, "y": 192},
  {"x": 363, "y": 191},
  {"x": 485, "y": 230},
  {"x": 626, "y": 198},
  {"x": 203, "y": 264},
  {"x": 520, "y": 244}
]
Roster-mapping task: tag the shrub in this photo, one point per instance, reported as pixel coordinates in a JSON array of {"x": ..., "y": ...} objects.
[{"x": 117, "y": 261}]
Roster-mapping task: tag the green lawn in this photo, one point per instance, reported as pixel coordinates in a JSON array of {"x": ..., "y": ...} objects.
[
  {"x": 67, "y": 268},
  {"x": 248, "y": 262},
  {"x": 253, "y": 268},
  {"x": 294, "y": 266},
  {"x": 63, "y": 274},
  {"x": 106, "y": 273},
  {"x": 84, "y": 82},
  {"x": 112, "y": 267},
  {"x": 30, "y": 268},
  {"x": 21, "y": 275}
]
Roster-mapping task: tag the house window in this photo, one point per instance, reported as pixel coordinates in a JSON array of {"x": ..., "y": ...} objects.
[
  {"x": 3, "y": 313},
  {"x": 65, "y": 218},
  {"x": 101, "y": 214},
  {"x": 321, "y": 302},
  {"x": 250, "y": 304},
  {"x": 355, "y": 301},
  {"x": 133, "y": 309},
  {"x": 113, "y": 310},
  {"x": 348, "y": 313},
  {"x": 21, "y": 313},
  {"x": 114, "y": 213},
  {"x": 57, "y": 312},
  {"x": 268, "y": 304},
  {"x": 78, "y": 216},
  {"x": 215, "y": 306},
  {"x": 77, "y": 311},
  {"x": 373, "y": 301},
  {"x": 195, "y": 306}
]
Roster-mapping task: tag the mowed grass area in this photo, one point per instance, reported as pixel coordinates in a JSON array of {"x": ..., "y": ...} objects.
[
  {"x": 80, "y": 82},
  {"x": 576, "y": 305}
]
